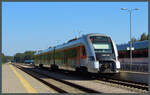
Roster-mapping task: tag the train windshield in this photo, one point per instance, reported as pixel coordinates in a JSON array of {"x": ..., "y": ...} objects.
[{"x": 101, "y": 44}]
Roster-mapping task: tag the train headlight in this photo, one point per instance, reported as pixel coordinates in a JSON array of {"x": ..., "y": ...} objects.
[{"x": 96, "y": 64}]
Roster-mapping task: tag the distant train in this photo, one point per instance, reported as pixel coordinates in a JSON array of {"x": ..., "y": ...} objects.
[
  {"x": 93, "y": 52},
  {"x": 139, "y": 54},
  {"x": 28, "y": 61}
]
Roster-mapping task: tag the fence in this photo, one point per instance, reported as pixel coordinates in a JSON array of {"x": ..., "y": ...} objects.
[{"x": 134, "y": 67}]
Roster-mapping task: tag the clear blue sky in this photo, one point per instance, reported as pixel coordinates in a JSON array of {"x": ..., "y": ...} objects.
[{"x": 38, "y": 25}]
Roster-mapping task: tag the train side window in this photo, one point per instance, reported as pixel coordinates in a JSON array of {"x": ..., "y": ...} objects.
[{"x": 83, "y": 51}]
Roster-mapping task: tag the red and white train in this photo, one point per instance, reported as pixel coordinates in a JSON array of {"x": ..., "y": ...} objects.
[{"x": 92, "y": 52}]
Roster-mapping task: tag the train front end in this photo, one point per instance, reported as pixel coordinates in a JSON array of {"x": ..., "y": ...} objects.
[{"x": 106, "y": 54}]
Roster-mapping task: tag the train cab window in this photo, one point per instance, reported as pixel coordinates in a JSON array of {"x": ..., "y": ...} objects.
[{"x": 102, "y": 44}]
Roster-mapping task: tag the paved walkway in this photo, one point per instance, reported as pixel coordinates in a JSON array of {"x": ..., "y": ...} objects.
[{"x": 16, "y": 81}]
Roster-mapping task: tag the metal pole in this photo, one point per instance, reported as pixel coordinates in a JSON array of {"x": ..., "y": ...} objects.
[
  {"x": 54, "y": 56},
  {"x": 130, "y": 42},
  {"x": 130, "y": 12}
]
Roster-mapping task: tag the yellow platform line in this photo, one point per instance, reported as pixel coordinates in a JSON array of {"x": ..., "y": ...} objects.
[{"x": 24, "y": 82}]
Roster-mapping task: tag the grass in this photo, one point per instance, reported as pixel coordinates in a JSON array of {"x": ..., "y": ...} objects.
[{"x": 3, "y": 62}]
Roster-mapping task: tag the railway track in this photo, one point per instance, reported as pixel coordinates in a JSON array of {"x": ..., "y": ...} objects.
[
  {"x": 129, "y": 85},
  {"x": 60, "y": 86},
  {"x": 133, "y": 86},
  {"x": 125, "y": 84}
]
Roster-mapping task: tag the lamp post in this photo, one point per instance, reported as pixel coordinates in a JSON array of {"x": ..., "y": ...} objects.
[{"x": 130, "y": 14}]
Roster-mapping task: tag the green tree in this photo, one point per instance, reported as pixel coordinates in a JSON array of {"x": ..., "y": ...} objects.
[
  {"x": 8, "y": 58},
  {"x": 21, "y": 57},
  {"x": 2, "y": 57},
  {"x": 29, "y": 55},
  {"x": 147, "y": 36},
  {"x": 133, "y": 40},
  {"x": 144, "y": 37}
]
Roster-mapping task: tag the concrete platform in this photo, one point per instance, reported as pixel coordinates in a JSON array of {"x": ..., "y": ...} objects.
[{"x": 16, "y": 81}]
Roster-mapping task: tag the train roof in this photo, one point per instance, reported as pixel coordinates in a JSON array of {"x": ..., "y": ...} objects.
[
  {"x": 94, "y": 34},
  {"x": 136, "y": 45},
  {"x": 70, "y": 42}
]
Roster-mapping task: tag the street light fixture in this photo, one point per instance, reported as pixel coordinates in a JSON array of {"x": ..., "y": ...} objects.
[
  {"x": 130, "y": 12},
  {"x": 136, "y": 9},
  {"x": 123, "y": 8}
]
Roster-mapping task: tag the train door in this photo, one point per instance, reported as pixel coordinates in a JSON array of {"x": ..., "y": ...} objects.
[
  {"x": 65, "y": 59},
  {"x": 81, "y": 60},
  {"x": 78, "y": 56},
  {"x": 83, "y": 56}
]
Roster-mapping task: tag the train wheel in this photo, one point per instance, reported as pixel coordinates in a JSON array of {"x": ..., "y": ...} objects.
[
  {"x": 84, "y": 70},
  {"x": 78, "y": 71},
  {"x": 54, "y": 67},
  {"x": 34, "y": 66},
  {"x": 41, "y": 65}
]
